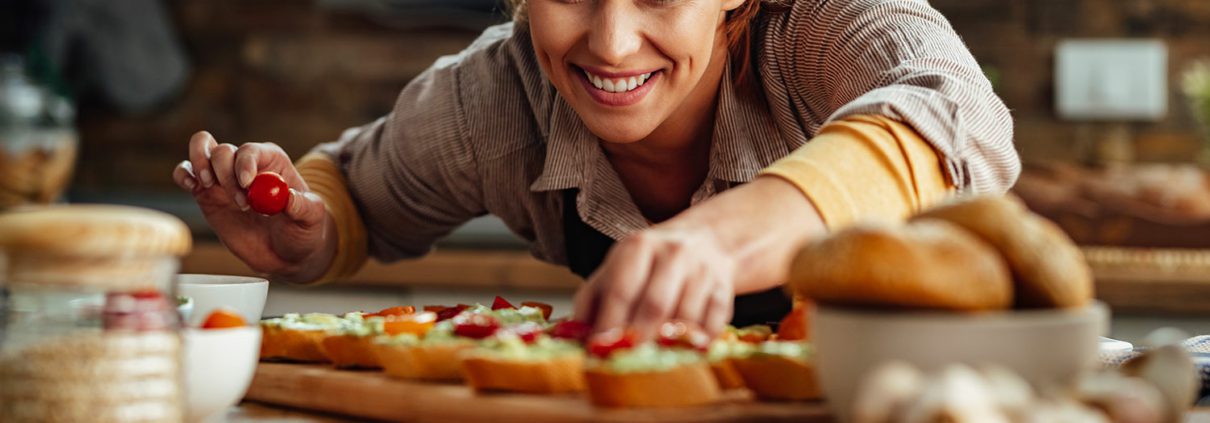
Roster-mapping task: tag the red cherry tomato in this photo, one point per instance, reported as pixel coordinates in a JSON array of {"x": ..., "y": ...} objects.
[
  {"x": 547, "y": 309},
  {"x": 476, "y": 326},
  {"x": 605, "y": 343},
  {"x": 571, "y": 329},
  {"x": 500, "y": 303},
  {"x": 268, "y": 193}
]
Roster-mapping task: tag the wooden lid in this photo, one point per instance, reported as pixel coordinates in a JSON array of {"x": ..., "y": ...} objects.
[{"x": 93, "y": 231}]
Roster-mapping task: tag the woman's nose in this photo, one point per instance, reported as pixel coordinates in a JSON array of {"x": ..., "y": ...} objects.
[{"x": 614, "y": 34}]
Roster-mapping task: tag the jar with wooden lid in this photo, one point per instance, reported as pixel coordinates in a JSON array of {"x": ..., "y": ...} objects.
[{"x": 89, "y": 329}]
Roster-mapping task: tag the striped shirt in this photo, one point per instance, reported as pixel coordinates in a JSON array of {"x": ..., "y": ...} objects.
[{"x": 484, "y": 132}]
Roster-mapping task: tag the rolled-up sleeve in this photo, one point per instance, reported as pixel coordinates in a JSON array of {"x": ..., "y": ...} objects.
[
  {"x": 412, "y": 175},
  {"x": 900, "y": 59}
]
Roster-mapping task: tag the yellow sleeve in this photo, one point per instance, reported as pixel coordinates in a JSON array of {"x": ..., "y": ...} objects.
[
  {"x": 865, "y": 167},
  {"x": 324, "y": 179}
]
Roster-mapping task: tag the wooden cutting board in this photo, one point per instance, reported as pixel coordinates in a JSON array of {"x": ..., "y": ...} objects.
[{"x": 372, "y": 395}]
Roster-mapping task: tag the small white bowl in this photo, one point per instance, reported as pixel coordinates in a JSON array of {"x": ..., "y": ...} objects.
[
  {"x": 219, "y": 364},
  {"x": 1046, "y": 347},
  {"x": 245, "y": 295}
]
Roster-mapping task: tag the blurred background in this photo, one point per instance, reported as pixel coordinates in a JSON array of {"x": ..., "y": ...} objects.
[{"x": 1111, "y": 101}]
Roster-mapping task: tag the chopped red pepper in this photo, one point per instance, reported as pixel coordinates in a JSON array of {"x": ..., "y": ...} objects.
[
  {"x": 547, "y": 309},
  {"x": 528, "y": 331},
  {"x": 476, "y": 326},
  {"x": 571, "y": 329},
  {"x": 500, "y": 303},
  {"x": 605, "y": 343}
]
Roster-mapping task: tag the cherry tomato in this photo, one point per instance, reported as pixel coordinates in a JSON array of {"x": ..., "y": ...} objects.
[
  {"x": 500, "y": 303},
  {"x": 682, "y": 335},
  {"x": 222, "y": 319},
  {"x": 571, "y": 329},
  {"x": 547, "y": 309},
  {"x": 605, "y": 343},
  {"x": 268, "y": 193},
  {"x": 476, "y": 326},
  {"x": 418, "y": 324}
]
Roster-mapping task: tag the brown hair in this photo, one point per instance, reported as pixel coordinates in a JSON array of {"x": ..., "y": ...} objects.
[{"x": 737, "y": 28}]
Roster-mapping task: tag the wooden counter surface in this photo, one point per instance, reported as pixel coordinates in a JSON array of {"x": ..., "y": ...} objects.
[{"x": 1139, "y": 290}]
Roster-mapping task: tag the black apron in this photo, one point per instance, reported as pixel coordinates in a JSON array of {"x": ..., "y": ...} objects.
[{"x": 586, "y": 249}]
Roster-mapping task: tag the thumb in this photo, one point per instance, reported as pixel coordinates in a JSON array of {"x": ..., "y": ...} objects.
[{"x": 306, "y": 208}]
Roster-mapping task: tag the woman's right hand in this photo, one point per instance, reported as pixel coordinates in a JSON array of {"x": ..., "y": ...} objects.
[{"x": 295, "y": 245}]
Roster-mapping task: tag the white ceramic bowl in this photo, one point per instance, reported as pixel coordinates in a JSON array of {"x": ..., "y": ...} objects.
[
  {"x": 219, "y": 364},
  {"x": 245, "y": 295},
  {"x": 1046, "y": 347}
]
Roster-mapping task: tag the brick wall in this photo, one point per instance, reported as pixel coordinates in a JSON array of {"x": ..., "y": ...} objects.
[
  {"x": 286, "y": 71},
  {"x": 1017, "y": 38}
]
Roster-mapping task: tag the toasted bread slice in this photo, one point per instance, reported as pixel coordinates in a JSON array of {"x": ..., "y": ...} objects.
[
  {"x": 292, "y": 344},
  {"x": 350, "y": 351},
  {"x": 727, "y": 376},
  {"x": 681, "y": 386},
  {"x": 774, "y": 377},
  {"x": 437, "y": 362},
  {"x": 564, "y": 373}
]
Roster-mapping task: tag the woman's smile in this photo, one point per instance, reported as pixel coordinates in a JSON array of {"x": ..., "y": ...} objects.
[{"x": 616, "y": 89}]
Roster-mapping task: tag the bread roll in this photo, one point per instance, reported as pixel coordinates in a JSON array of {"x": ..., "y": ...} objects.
[
  {"x": 929, "y": 264},
  {"x": 1049, "y": 270}
]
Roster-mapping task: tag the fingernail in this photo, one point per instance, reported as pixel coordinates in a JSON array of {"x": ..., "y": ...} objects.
[
  {"x": 190, "y": 184},
  {"x": 294, "y": 200},
  {"x": 207, "y": 178},
  {"x": 245, "y": 178},
  {"x": 241, "y": 200}
]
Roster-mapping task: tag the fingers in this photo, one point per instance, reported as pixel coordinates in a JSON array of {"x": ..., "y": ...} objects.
[
  {"x": 222, "y": 159},
  {"x": 660, "y": 297},
  {"x": 624, "y": 272},
  {"x": 200, "y": 146},
  {"x": 719, "y": 309},
  {"x": 306, "y": 208},
  {"x": 183, "y": 176},
  {"x": 582, "y": 303},
  {"x": 694, "y": 298}
]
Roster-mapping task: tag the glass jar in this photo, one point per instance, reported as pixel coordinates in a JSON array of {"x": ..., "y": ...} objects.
[
  {"x": 38, "y": 140},
  {"x": 88, "y": 324}
]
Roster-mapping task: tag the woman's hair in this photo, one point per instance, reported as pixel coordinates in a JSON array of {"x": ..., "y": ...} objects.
[{"x": 738, "y": 29}]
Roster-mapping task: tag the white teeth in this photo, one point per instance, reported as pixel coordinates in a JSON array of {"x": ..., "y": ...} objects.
[{"x": 617, "y": 85}]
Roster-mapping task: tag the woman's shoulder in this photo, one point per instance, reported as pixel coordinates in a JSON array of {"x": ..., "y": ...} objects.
[{"x": 497, "y": 81}]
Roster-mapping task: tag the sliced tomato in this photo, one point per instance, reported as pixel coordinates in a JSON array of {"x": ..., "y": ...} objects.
[
  {"x": 476, "y": 326},
  {"x": 547, "y": 309},
  {"x": 418, "y": 323},
  {"x": 571, "y": 329},
  {"x": 222, "y": 319},
  {"x": 500, "y": 303},
  {"x": 603, "y": 344},
  {"x": 794, "y": 326}
]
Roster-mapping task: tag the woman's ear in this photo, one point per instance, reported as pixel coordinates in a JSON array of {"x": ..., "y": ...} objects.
[{"x": 729, "y": 5}]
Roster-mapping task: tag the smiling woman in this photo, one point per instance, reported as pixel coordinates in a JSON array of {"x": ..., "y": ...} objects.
[{"x": 675, "y": 153}]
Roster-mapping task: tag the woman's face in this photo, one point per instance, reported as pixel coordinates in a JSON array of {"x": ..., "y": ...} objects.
[{"x": 625, "y": 66}]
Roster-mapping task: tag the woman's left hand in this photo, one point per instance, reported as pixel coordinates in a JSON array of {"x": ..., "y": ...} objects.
[{"x": 661, "y": 274}]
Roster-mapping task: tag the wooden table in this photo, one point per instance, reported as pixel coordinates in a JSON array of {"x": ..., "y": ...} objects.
[{"x": 373, "y": 395}]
